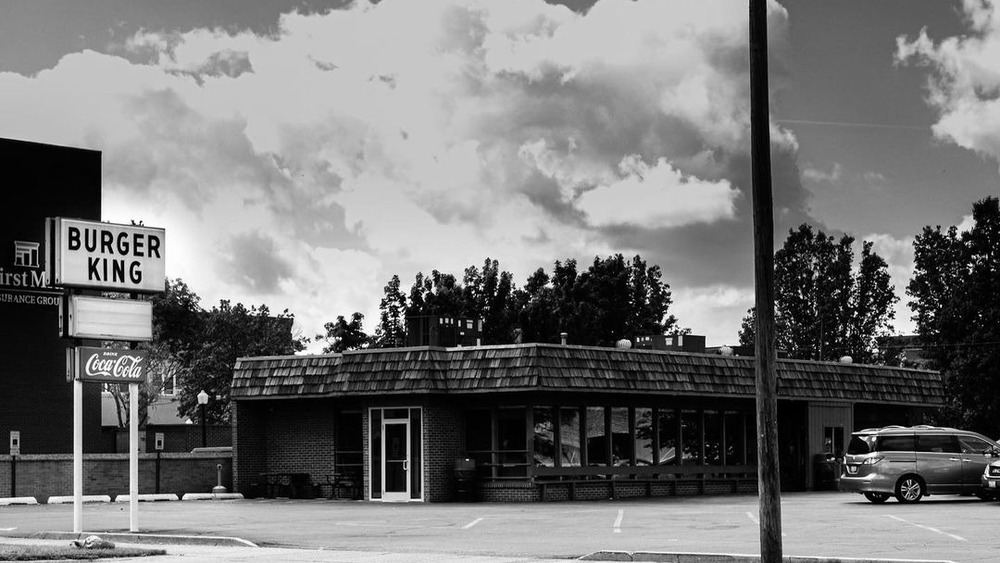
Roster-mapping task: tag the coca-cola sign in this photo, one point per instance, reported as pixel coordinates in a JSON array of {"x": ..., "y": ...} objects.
[{"x": 112, "y": 364}]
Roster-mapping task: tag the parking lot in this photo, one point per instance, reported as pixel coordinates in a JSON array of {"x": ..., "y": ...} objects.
[{"x": 960, "y": 529}]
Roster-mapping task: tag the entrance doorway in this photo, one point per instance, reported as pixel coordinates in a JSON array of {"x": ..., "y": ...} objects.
[{"x": 395, "y": 454}]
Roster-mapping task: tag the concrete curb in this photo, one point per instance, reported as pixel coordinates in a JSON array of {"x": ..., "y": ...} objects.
[
  {"x": 666, "y": 557},
  {"x": 7, "y": 501},
  {"x": 213, "y": 496},
  {"x": 146, "y": 497},
  {"x": 158, "y": 539},
  {"x": 86, "y": 498}
]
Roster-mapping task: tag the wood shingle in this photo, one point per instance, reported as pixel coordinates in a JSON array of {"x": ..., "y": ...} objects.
[{"x": 527, "y": 367}]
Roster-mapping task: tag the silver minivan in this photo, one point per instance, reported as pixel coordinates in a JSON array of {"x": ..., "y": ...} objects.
[{"x": 910, "y": 462}]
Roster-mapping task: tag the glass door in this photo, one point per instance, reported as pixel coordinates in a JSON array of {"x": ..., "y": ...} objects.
[{"x": 396, "y": 460}]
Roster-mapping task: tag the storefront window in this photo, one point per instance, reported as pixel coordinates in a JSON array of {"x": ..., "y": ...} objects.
[
  {"x": 621, "y": 439},
  {"x": 691, "y": 436},
  {"x": 734, "y": 447},
  {"x": 512, "y": 438},
  {"x": 750, "y": 431},
  {"x": 545, "y": 437},
  {"x": 644, "y": 436},
  {"x": 569, "y": 437},
  {"x": 713, "y": 438},
  {"x": 667, "y": 431},
  {"x": 597, "y": 453},
  {"x": 479, "y": 439}
]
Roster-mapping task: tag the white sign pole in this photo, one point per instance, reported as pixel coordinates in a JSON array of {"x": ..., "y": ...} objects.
[
  {"x": 133, "y": 456},
  {"x": 77, "y": 456}
]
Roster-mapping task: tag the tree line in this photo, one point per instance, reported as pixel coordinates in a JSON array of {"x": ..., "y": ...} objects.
[{"x": 613, "y": 298}]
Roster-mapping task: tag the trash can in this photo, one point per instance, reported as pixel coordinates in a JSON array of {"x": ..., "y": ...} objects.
[{"x": 465, "y": 479}]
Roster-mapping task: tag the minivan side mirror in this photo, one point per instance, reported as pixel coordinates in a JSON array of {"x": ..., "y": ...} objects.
[{"x": 992, "y": 451}]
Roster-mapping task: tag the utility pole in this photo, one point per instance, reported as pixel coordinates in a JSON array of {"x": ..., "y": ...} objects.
[{"x": 768, "y": 483}]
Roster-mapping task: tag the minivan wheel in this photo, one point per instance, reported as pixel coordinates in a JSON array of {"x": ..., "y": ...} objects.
[
  {"x": 909, "y": 489},
  {"x": 877, "y": 498}
]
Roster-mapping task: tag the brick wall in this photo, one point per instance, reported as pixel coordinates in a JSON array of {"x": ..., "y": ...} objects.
[
  {"x": 441, "y": 448},
  {"x": 249, "y": 443},
  {"x": 299, "y": 437},
  {"x": 42, "y": 476},
  {"x": 508, "y": 491}
]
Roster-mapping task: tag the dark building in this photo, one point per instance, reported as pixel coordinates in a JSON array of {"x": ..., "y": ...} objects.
[
  {"x": 547, "y": 422},
  {"x": 434, "y": 330},
  {"x": 40, "y": 181}
]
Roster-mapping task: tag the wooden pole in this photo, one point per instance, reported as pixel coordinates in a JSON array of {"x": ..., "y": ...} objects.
[{"x": 765, "y": 356}]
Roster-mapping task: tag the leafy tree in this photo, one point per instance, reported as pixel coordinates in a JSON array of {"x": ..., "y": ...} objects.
[
  {"x": 342, "y": 335},
  {"x": 391, "y": 329},
  {"x": 956, "y": 305},
  {"x": 612, "y": 299},
  {"x": 823, "y": 309},
  {"x": 230, "y": 332},
  {"x": 487, "y": 294},
  {"x": 177, "y": 324}
]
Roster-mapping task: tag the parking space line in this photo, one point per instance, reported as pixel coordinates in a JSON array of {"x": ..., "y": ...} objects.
[
  {"x": 935, "y": 530},
  {"x": 755, "y": 520},
  {"x": 471, "y": 524},
  {"x": 618, "y": 521}
]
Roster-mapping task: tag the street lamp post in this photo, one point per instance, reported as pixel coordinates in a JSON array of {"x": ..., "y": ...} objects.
[{"x": 202, "y": 403}]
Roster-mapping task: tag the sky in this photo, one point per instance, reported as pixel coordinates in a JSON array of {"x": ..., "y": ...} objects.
[{"x": 300, "y": 153}]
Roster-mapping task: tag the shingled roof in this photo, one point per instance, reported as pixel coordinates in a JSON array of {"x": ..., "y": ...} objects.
[{"x": 540, "y": 367}]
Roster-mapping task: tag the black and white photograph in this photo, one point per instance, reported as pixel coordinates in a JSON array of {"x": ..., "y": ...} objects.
[{"x": 500, "y": 281}]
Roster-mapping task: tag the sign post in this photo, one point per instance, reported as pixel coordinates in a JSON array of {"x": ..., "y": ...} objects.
[
  {"x": 107, "y": 257},
  {"x": 77, "y": 456}
]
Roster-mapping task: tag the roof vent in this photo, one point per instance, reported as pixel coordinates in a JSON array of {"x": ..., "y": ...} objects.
[
  {"x": 562, "y": 337},
  {"x": 623, "y": 344},
  {"x": 846, "y": 360},
  {"x": 725, "y": 351}
]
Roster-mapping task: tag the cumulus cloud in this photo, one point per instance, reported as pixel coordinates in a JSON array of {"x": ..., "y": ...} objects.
[
  {"x": 964, "y": 80},
  {"x": 657, "y": 196},
  {"x": 309, "y": 164},
  {"x": 815, "y": 174}
]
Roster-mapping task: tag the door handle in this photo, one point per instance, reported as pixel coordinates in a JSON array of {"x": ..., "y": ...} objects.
[
  {"x": 953, "y": 459},
  {"x": 406, "y": 465}
]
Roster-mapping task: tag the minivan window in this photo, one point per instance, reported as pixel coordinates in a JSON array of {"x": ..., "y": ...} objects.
[
  {"x": 944, "y": 443},
  {"x": 973, "y": 445},
  {"x": 895, "y": 444},
  {"x": 860, "y": 444}
]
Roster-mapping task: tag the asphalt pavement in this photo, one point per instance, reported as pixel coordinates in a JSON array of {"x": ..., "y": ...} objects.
[{"x": 821, "y": 526}]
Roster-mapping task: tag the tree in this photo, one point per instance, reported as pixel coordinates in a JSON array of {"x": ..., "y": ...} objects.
[
  {"x": 823, "y": 309},
  {"x": 230, "y": 332},
  {"x": 956, "y": 305},
  {"x": 342, "y": 335},
  {"x": 487, "y": 294},
  {"x": 612, "y": 299},
  {"x": 178, "y": 321},
  {"x": 391, "y": 329}
]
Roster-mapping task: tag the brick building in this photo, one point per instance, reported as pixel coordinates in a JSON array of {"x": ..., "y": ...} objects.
[
  {"x": 36, "y": 400},
  {"x": 545, "y": 421}
]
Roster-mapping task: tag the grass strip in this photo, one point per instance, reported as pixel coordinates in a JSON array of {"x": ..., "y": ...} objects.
[{"x": 46, "y": 552}]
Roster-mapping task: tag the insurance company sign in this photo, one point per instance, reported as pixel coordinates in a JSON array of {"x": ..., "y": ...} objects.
[
  {"x": 111, "y": 364},
  {"x": 91, "y": 254}
]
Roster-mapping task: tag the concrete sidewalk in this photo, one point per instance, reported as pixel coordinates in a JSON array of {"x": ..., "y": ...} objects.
[
  {"x": 189, "y": 553},
  {"x": 180, "y": 548}
]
